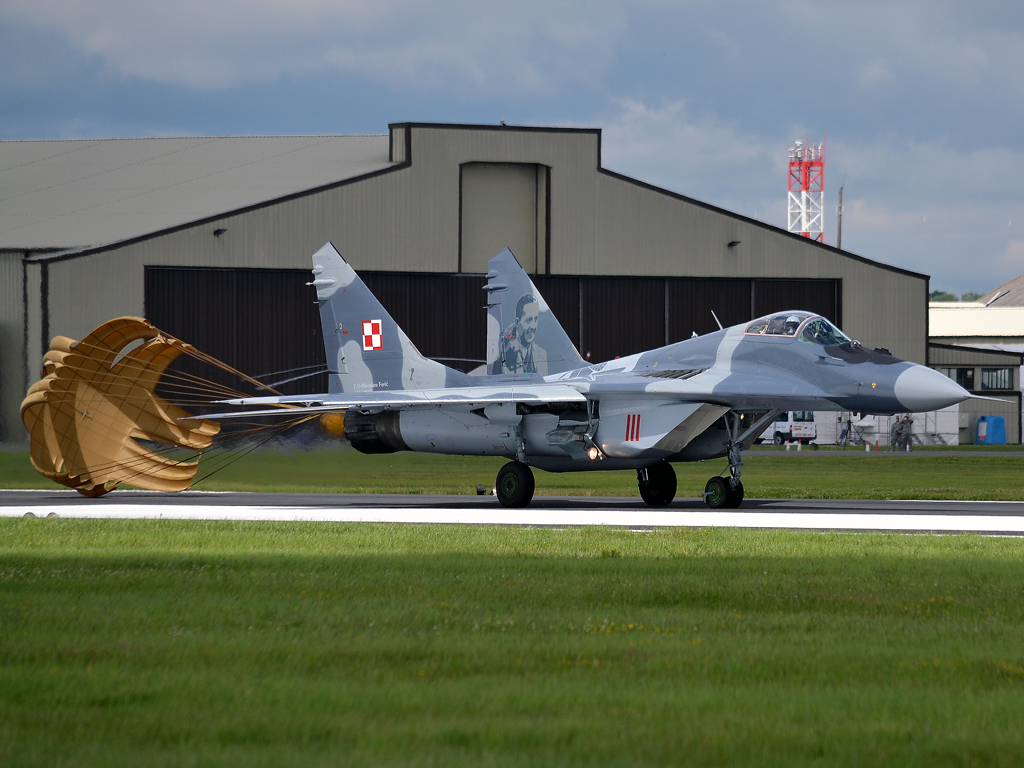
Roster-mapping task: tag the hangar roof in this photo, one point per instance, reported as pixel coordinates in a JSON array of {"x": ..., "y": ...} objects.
[
  {"x": 974, "y": 319},
  {"x": 80, "y": 193},
  {"x": 1009, "y": 295}
]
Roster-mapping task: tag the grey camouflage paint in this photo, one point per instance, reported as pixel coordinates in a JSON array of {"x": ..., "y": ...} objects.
[
  {"x": 666, "y": 403},
  {"x": 359, "y": 362},
  {"x": 511, "y": 346}
]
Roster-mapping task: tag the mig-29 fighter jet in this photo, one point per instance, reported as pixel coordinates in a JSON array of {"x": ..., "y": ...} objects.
[{"x": 541, "y": 405}]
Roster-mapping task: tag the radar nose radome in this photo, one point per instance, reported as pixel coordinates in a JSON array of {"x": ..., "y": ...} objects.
[{"x": 922, "y": 389}]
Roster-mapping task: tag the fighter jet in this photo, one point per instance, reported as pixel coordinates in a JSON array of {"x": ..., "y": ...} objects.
[{"x": 542, "y": 406}]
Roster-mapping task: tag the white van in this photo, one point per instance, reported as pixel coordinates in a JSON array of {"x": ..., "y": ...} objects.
[{"x": 793, "y": 426}]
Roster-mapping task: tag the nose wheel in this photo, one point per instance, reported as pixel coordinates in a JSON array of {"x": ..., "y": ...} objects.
[
  {"x": 515, "y": 485},
  {"x": 727, "y": 492},
  {"x": 719, "y": 493},
  {"x": 657, "y": 484}
]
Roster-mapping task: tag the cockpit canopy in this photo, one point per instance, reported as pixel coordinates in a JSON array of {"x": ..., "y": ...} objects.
[
  {"x": 820, "y": 331},
  {"x": 813, "y": 329},
  {"x": 779, "y": 324}
]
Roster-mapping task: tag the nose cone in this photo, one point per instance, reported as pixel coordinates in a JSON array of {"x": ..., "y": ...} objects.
[{"x": 921, "y": 389}]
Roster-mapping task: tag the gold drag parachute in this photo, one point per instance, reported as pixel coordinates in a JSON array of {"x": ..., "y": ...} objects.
[{"x": 96, "y": 402}]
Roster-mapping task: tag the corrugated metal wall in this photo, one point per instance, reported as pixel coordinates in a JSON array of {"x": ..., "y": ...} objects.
[
  {"x": 444, "y": 315},
  {"x": 12, "y": 335},
  {"x": 820, "y": 296},
  {"x": 265, "y": 322},
  {"x": 620, "y": 316},
  {"x": 562, "y": 294},
  {"x": 691, "y": 302}
]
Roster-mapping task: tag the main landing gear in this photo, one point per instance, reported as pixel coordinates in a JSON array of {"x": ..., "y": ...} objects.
[
  {"x": 657, "y": 484},
  {"x": 515, "y": 484}
]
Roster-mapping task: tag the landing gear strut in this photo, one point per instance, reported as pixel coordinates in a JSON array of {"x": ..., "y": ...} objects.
[
  {"x": 727, "y": 492},
  {"x": 515, "y": 485},
  {"x": 657, "y": 484}
]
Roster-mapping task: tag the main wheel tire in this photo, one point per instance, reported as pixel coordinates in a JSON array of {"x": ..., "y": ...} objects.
[
  {"x": 716, "y": 492},
  {"x": 660, "y": 487},
  {"x": 734, "y": 496},
  {"x": 515, "y": 485}
]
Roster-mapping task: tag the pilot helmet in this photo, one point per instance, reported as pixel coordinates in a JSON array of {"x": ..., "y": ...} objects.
[{"x": 792, "y": 323}]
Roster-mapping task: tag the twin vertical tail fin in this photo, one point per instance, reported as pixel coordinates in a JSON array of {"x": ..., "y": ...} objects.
[
  {"x": 523, "y": 335},
  {"x": 366, "y": 350}
]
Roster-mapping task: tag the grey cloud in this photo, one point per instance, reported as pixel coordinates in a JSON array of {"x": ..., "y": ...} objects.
[
  {"x": 921, "y": 101},
  {"x": 223, "y": 44},
  {"x": 923, "y": 206}
]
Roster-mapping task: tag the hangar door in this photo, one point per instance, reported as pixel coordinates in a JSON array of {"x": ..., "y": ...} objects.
[
  {"x": 265, "y": 322},
  {"x": 609, "y": 317}
]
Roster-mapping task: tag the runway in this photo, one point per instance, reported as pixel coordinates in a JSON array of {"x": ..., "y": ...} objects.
[{"x": 994, "y": 517}]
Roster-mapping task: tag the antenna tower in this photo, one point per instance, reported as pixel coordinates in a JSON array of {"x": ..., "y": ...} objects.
[{"x": 806, "y": 188}]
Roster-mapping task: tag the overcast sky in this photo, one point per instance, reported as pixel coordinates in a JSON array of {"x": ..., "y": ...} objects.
[{"x": 921, "y": 102}]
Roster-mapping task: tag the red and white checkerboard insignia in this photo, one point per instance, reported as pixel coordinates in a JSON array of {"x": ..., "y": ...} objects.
[{"x": 372, "y": 336}]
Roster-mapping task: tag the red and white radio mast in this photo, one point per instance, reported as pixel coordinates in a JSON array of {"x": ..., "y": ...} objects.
[{"x": 806, "y": 187}]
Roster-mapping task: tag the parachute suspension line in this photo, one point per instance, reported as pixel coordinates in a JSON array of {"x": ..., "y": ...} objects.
[
  {"x": 217, "y": 451},
  {"x": 199, "y": 384},
  {"x": 128, "y": 362},
  {"x": 274, "y": 431},
  {"x": 100, "y": 416},
  {"x": 187, "y": 349},
  {"x": 225, "y": 367}
]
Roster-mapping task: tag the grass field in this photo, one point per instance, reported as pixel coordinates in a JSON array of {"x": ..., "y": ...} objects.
[
  {"x": 766, "y": 473},
  {"x": 152, "y": 643}
]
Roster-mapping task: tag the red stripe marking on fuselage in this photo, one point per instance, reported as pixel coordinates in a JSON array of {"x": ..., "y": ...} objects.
[{"x": 632, "y": 427}]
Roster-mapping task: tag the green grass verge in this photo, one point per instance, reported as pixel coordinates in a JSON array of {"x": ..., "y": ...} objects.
[
  {"x": 147, "y": 643},
  {"x": 766, "y": 473}
]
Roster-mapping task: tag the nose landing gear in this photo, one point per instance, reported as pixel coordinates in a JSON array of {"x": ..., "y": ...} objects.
[
  {"x": 720, "y": 494},
  {"x": 727, "y": 492}
]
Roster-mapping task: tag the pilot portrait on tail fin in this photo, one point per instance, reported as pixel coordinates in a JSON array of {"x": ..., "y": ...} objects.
[{"x": 517, "y": 351}]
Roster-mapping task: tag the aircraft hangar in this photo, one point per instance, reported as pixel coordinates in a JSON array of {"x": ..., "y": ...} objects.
[{"x": 211, "y": 237}]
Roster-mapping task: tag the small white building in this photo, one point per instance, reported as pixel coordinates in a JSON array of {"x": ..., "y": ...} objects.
[{"x": 980, "y": 344}]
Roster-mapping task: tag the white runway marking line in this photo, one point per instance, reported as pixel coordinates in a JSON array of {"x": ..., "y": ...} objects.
[{"x": 540, "y": 517}]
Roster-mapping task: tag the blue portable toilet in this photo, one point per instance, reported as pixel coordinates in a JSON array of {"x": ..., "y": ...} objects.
[{"x": 991, "y": 430}]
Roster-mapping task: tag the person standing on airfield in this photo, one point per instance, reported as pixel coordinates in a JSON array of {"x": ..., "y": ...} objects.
[{"x": 517, "y": 352}]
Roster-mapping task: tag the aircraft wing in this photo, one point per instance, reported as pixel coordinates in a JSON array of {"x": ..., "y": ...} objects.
[{"x": 467, "y": 397}]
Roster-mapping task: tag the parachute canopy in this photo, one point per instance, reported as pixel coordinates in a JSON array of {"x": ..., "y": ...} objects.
[{"x": 87, "y": 416}]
